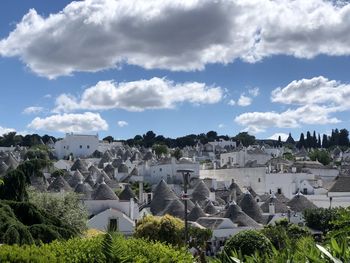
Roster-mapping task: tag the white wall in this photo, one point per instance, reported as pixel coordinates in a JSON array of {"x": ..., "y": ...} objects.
[
  {"x": 155, "y": 173},
  {"x": 96, "y": 206},
  {"x": 100, "y": 221},
  {"x": 242, "y": 157},
  {"x": 243, "y": 177},
  {"x": 78, "y": 145}
]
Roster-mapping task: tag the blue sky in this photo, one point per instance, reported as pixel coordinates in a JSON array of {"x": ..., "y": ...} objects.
[{"x": 121, "y": 68}]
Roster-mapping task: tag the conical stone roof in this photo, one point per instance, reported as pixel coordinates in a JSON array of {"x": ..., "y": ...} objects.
[
  {"x": 174, "y": 208},
  {"x": 94, "y": 170},
  {"x": 123, "y": 168},
  {"x": 75, "y": 179},
  {"x": 3, "y": 168},
  {"x": 279, "y": 206},
  {"x": 59, "y": 185},
  {"x": 251, "y": 207},
  {"x": 196, "y": 213},
  {"x": 127, "y": 194},
  {"x": 235, "y": 213},
  {"x": 90, "y": 180},
  {"x": 210, "y": 208},
  {"x": 79, "y": 165},
  {"x": 11, "y": 161},
  {"x": 116, "y": 162},
  {"x": 200, "y": 192},
  {"x": 84, "y": 189},
  {"x": 104, "y": 192},
  {"x": 134, "y": 172},
  {"x": 162, "y": 196},
  {"x": 299, "y": 203},
  {"x": 109, "y": 169}
]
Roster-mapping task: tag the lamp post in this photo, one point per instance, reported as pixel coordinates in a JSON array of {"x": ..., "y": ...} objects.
[{"x": 186, "y": 175}]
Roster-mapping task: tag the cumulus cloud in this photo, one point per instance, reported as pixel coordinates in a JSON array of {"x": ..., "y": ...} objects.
[
  {"x": 92, "y": 35},
  {"x": 254, "y": 91},
  {"x": 314, "y": 101},
  {"x": 84, "y": 122},
  {"x": 244, "y": 101},
  {"x": 275, "y": 136},
  {"x": 4, "y": 130},
  {"x": 155, "y": 93},
  {"x": 231, "y": 103},
  {"x": 33, "y": 110},
  {"x": 318, "y": 90},
  {"x": 122, "y": 124},
  {"x": 221, "y": 125}
]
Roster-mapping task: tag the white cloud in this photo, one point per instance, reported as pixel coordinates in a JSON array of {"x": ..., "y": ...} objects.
[
  {"x": 232, "y": 103},
  {"x": 318, "y": 90},
  {"x": 275, "y": 136},
  {"x": 70, "y": 123},
  {"x": 254, "y": 91},
  {"x": 48, "y": 96},
  {"x": 315, "y": 101},
  {"x": 244, "y": 101},
  {"x": 140, "y": 95},
  {"x": 33, "y": 110},
  {"x": 221, "y": 125},
  {"x": 92, "y": 35},
  {"x": 4, "y": 130},
  {"x": 122, "y": 124}
]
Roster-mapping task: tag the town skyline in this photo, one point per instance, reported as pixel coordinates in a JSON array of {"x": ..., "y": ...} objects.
[{"x": 263, "y": 86}]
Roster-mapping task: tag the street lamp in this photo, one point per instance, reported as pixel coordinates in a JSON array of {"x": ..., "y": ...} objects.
[{"x": 186, "y": 175}]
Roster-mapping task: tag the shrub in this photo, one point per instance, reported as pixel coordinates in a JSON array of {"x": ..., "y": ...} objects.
[
  {"x": 93, "y": 250},
  {"x": 247, "y": 242}
]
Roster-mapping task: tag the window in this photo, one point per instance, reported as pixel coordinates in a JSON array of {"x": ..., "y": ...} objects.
[
  {"x": 259, "y": 180},
  {"x": 81, "y": 146},
  {"x": 88, "y": 146},
  {"x": 160, "y": 169},
  {"x": 279, "y": 191},
  {"x": 113, "y": 224},
  {"x": 64, "y": 147},
  {"x": 305, "y": 191}
]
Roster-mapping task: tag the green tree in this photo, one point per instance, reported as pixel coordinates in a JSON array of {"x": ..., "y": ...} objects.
[
  {"x": 177, "y": 153},
  {"x": 245, "y": 138},
  {"x": 320, "y": 218},
  {"x": 66, "y": 206},
  {"x": 14, "y": 186},
  {"x": 321, "y": 155},
  {"x": 166, "y": 229},
  {"x": 108, "y": 139},
  {"x": 301, "y": 141},
  {"x": 160, "y": 149},
  {"x": 247, "y": 242}
]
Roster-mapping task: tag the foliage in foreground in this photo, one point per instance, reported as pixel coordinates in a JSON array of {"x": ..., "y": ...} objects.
[
  {"x": 23, "y": 223},
  {"x": 65, "y": 206},
  {"x": 103, "y": 248}
]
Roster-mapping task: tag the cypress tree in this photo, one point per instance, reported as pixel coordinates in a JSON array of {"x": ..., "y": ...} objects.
[{"x": 301, "y": 142}]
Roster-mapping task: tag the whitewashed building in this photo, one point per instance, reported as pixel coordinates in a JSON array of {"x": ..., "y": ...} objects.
[{"x": 80, "y": 145}]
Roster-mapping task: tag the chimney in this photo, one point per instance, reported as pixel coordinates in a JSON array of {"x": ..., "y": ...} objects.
[
  {"x": 131, "y": 212},
  {"x": 140, "y": 192},
  {"x": 272, "y": 208}
]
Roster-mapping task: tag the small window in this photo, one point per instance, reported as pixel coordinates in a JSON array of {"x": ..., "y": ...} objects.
[
  {"x": 81, "y": 146},
  {"x": 64, "y": 147},
  {"x": 88, "y": 146},
  {"x": 279, "y": 191},
  {"x": 305, "y": 191},
  {"x": 160, "y": 169},
  {"x": 259, "y": 180},
  {"x": 113, "y": 225}
]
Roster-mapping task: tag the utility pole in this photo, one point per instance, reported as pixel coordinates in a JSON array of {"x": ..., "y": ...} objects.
[{"x": 186, "y": 176}]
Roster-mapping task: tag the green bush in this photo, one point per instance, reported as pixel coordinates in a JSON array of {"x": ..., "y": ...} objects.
[
  {"x": 247, "y": 242},
  {"x": 25, "y": 224},
  {"x": 93, "y": 250},
  {"x": 11, "y": 236}
]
